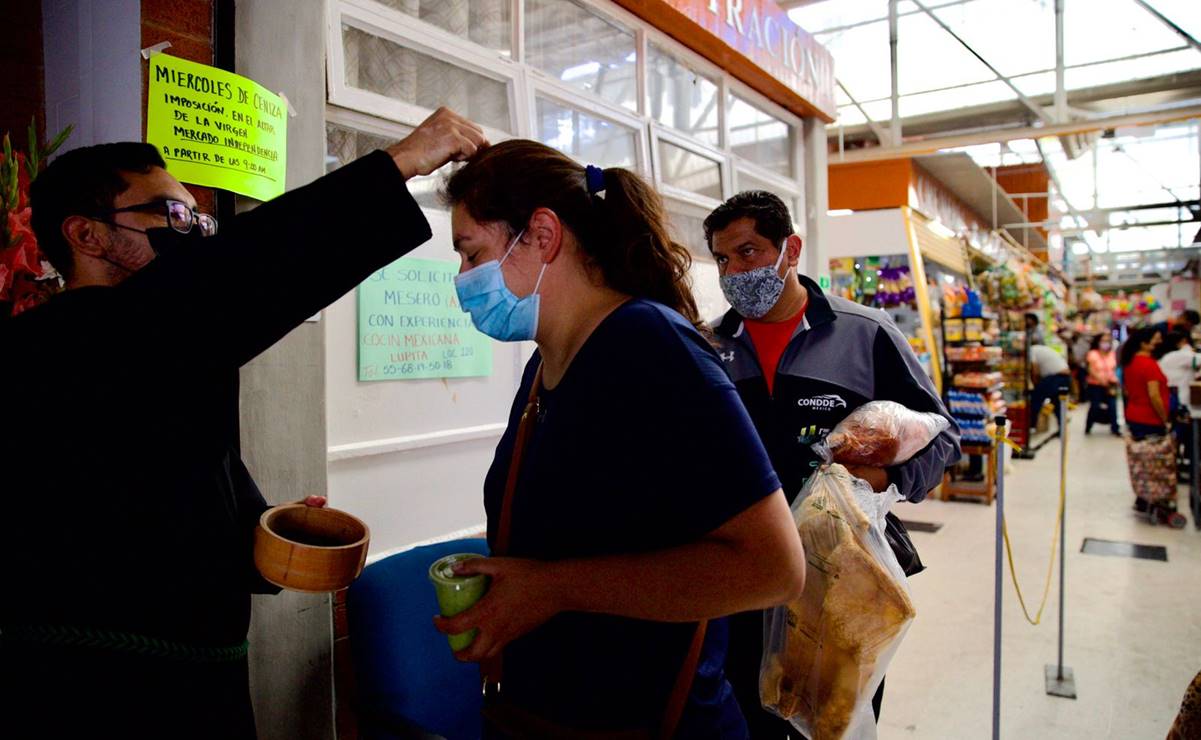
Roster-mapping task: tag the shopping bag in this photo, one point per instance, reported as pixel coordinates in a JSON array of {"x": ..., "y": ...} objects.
[
  {"x": 826, "y": 653},
  {"x": 1152, "y": 465},
  {"x": 880, "y": 434}
]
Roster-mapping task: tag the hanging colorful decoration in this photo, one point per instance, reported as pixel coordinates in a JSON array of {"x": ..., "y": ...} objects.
[{"x": 895, "y": 287}]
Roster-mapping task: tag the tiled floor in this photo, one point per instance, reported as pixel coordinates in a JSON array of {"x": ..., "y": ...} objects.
[{"x": 1133, "y": 633}]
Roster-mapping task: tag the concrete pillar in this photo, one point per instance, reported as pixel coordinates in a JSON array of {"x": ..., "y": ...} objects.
[
  {"x": 283, "y": 392},
  {"x": 814, "y": 257}
]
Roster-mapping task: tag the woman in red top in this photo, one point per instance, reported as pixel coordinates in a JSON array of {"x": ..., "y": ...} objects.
[{"x": 1145, "y": 385}]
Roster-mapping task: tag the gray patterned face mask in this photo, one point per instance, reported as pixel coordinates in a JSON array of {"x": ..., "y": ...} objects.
[{"x": 754, "y": 292}]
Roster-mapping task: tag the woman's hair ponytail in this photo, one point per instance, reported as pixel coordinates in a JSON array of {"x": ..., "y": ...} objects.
[{"x": 634, "y": 252}]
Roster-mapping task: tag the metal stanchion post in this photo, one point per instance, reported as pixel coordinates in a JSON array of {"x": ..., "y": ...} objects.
[
  {"x": 1001, "y": 423},
  {"x": 1060, "y": 680}
]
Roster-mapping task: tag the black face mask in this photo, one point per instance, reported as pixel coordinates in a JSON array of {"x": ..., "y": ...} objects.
[{"x": 166, "y": 241}]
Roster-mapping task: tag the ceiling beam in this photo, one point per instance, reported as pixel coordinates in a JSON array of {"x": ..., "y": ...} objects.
[
  {"x": 1035, "y": 109},
  {"x": 1193, "y": 42},
  {"x": 1101, "y": 123},
  {"x": 879, "y": 132}
]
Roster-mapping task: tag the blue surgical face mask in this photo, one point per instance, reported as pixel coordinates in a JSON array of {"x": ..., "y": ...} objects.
[
  {"x": 753, "y": 293},
  {"x": 494, "y": 309}
]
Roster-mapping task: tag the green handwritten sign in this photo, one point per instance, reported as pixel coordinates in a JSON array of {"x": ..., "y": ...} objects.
[
  {"x": 411, "y": 325},
  {"x": 217, "y": 128}
]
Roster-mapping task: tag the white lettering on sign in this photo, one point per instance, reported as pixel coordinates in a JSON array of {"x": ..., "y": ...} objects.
[
  {"x": 755, "y": 34},
  {"x": 768, "y": 24},
  {"x": 760, "y": 31},
  {"x": 734, "y": 15}
]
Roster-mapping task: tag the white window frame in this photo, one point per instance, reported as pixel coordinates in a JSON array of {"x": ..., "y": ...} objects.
[
  {"x": 690, "y": 60},
  {"x": 671, "y": 136},
  {"x": 543, "y": 85},
  {"x": 612, "y": 14},
  {"x": 423, "y": 38},
  {"x": 524, "y": 83},
  {"x": 744, "y": 91}
]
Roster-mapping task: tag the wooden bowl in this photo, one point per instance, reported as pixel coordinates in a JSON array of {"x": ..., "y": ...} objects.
[{"x": 309, "y": 549}]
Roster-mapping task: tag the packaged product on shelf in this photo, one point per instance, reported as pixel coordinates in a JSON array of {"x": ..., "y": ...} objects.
[
  {"x": 973, "y": 329},
  {"x": 973, "y": 353},
  {"x": 953, "y": 329},
  {"x": 977, "y": 379}
]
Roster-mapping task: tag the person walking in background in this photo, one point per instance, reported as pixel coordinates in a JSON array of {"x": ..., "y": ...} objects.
[
  {"x": 1051, "y": 376},
  {"x": 1101, "y": 388}
]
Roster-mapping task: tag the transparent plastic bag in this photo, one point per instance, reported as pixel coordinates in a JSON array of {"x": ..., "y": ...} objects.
[
  {"x": 879, "y": 434},
  {"x": 825, "y": 654}
]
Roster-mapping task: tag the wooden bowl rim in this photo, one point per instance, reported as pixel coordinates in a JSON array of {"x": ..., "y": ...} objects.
[{"x": 274, "y": 511}]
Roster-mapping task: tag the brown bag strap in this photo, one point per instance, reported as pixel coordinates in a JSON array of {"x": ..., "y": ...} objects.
[
  {"x": 678, "y": 697},
  {"x": 491, "y": 670},
  {"x": 525, "y": 430}
]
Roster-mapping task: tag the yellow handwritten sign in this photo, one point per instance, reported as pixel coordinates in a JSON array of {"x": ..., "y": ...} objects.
[{"x": 217, "y": 128}]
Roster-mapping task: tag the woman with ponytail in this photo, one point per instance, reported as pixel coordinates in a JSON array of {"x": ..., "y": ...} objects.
[{"x": 629, "y": 500}]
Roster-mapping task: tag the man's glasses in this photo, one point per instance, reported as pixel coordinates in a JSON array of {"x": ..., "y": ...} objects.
[{"x": 181, "y": 217}]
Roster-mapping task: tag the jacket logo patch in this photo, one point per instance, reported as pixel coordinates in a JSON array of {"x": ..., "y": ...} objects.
[
  {"x": 824, "y": 402},
  {"x": 729, "y": 357}
]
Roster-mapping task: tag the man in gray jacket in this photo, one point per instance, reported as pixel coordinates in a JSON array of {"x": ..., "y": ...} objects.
[{"x": 802, "y": 361}]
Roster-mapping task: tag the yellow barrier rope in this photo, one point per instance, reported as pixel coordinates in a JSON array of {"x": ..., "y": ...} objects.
[{"x": 1000, "y": 436}]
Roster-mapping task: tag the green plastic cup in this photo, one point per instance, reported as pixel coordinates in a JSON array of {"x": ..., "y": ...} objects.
[{"x": 457, "y": 594}]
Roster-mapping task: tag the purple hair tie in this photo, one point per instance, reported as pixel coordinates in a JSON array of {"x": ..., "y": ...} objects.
[{"x": 594, "y": 179}]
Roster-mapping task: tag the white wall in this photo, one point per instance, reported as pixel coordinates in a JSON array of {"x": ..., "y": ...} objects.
[
  {"x": 409, "y": 457},
  {"x": 866, "y": 233},
  {"x": 706, "y": 290}
]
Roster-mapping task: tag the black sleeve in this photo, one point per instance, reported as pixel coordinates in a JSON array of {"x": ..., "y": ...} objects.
[
  {"x": 229, "y": 297},
  {"x": 900, "y": 378}
]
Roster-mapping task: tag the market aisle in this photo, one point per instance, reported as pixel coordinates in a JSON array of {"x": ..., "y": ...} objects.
[{"x": 1133, "y": 626}]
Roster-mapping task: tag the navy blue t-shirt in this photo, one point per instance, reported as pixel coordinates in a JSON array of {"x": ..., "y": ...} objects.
[{"x": 643, "y": 445}]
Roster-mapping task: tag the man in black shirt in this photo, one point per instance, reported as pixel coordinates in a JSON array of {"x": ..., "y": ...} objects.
[{"x": 127, "y": 560}]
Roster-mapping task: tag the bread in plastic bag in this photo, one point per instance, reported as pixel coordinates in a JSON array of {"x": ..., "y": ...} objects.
[
  {"x": 881, "y": 433},
  {"x": 826, "y": 653}
]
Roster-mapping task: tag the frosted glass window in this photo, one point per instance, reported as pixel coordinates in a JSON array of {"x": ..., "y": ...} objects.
[
  {"x": 681, "y": 98},
  {"x": 587, "y": 139},
  {"x": 488, "y": 23},
  {"x": 584, "y": 50},
  {"x": 689, "y": 171},
  {"x": 760, "y": 137},
  {"x": 382, "y": 66},
  {"x": 344, "y": 144}
]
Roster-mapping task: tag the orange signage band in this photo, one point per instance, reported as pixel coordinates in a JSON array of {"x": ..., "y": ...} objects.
[{"x": 755, "y": 41}]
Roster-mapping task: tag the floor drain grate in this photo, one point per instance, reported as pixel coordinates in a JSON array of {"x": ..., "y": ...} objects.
[
  {"x": 921, "y": 526},
  {"x": 1093, "y": 546}
]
